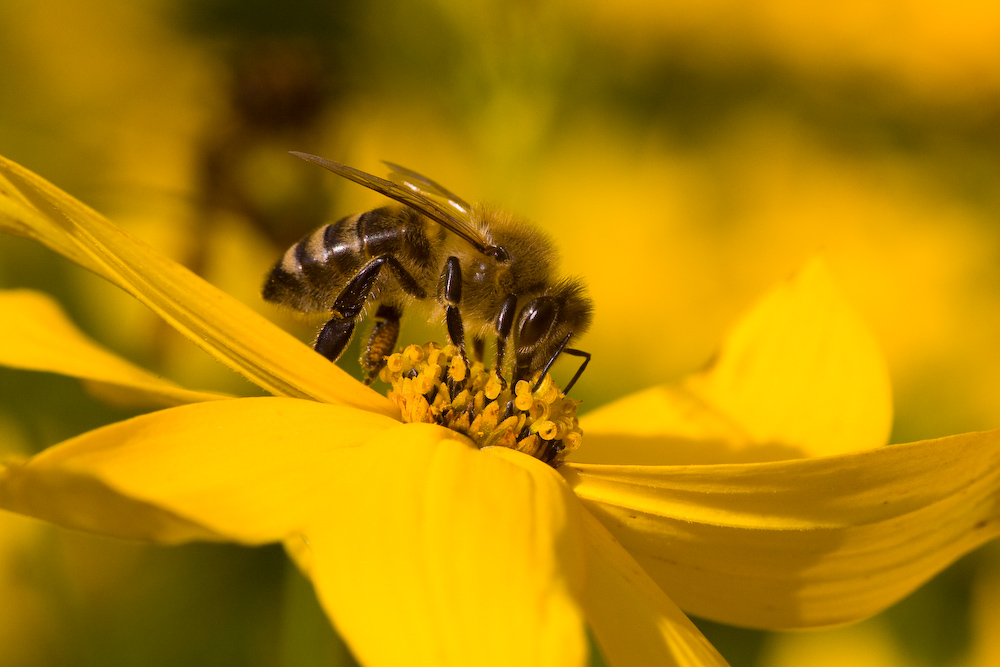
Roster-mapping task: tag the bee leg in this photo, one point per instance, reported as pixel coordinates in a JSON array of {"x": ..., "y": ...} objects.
[
  {"x": 381, "y": 342},
  {"x": 336, "y": 334},
  {"x": 505, "y": 322},
  {"x": 478, "y": 348},
  {"x": 451, "y": 291},
  {"x": 334, "y": 337}
]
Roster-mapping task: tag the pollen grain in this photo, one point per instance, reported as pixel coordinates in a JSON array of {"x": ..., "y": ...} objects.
[{"x": 432, "y": 384}]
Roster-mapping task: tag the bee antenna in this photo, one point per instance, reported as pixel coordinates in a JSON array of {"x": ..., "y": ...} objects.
[
  {"x": 563, "y": 347},
  {"x": 552, "y": 360},
  {"x": 579, "y": 371}
]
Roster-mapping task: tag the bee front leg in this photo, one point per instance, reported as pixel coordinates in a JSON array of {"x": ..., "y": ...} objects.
[
  {"x": 450, "y": 290},
  {"x": 336, "y": 334},
  {"x": 505, "y": 321},
  {"x": 381, "y": 342}
]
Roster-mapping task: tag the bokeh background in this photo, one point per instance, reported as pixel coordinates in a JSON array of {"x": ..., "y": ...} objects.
[{"x": 687, "y": 156}]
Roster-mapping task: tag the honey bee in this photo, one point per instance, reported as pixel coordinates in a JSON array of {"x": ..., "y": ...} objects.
[{"x": 478, "y": 268}]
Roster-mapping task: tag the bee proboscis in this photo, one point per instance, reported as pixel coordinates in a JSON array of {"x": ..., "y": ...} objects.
[{"x": 486, "y": 271}]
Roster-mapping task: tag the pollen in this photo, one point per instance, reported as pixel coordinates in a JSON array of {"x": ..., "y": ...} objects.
[{"x": 432, "y": 384}]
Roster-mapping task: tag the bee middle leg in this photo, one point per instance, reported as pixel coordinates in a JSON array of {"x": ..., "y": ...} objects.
[
  {"x": 336, "y": 334},
  {"x": 451, "y": 292}
]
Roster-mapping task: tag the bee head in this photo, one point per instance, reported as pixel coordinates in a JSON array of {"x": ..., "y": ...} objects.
[{"x": 546, "y": 323}]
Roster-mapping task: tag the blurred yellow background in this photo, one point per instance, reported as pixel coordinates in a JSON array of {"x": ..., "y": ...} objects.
[{"x": 686, "y": 155}]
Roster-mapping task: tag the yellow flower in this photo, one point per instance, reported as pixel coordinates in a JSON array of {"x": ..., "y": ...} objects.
[{"x": 756, "y": 493}]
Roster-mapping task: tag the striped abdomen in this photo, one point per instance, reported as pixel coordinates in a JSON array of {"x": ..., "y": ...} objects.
[{"x": 312, "y": 272}]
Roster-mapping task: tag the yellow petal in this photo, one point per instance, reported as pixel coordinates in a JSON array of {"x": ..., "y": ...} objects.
[
  {"x": 22, "y": 215},
  {"x": 635, "y": 624},
  {"x": 225, "y": 328},
  {"x": 802, "y": 369},
  {"x": 246, "y": 470},
  {"x": 670, "y": 425},
  {"x": 435, "y": 553},
  {"x": 799, "y": 376},
  {"x": 801, "y": 543},
  {"x": 37, "y": 335}
]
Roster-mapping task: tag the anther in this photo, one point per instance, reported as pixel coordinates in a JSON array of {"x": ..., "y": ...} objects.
[{"x": 433, "y": 384}]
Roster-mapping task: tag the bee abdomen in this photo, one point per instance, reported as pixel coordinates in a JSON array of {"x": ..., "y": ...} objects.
[{"x": 311, "y": 272}]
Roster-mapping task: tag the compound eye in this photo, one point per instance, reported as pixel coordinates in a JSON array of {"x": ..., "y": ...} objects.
[{"x": 536, "y": 321}]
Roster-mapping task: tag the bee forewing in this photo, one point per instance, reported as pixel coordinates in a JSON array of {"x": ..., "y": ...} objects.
[
  {"x": 420, "y": 183},
  {"x": 451, "y": 217}
]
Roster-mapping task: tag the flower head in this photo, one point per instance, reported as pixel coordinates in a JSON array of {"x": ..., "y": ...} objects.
[
  {"x": 755, "y": 493},
  {"x": 431, "y": 384}
]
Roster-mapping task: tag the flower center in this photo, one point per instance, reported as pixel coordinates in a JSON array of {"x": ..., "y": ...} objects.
[{"x": 431, "y": 384}]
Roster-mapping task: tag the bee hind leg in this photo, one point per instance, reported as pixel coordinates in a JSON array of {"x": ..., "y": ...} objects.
[
  {"x": 381, "y": 342},
  {"x": 336, "y": 334},
  {"x": 334, "y": 337}
]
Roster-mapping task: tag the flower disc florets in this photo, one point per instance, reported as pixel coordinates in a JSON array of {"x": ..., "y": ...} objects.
[{"x": 431, "y": 384}]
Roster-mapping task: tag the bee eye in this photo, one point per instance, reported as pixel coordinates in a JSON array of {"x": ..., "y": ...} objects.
[{"x": 535, "y": 321}]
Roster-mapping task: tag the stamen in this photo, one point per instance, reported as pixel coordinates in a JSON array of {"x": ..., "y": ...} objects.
[{"x": 432, "y": 384}]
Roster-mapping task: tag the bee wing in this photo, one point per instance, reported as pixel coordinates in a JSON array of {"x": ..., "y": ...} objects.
[
  {"x": 419, "y": 195},
  {"x": 420, "y": 183}
]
